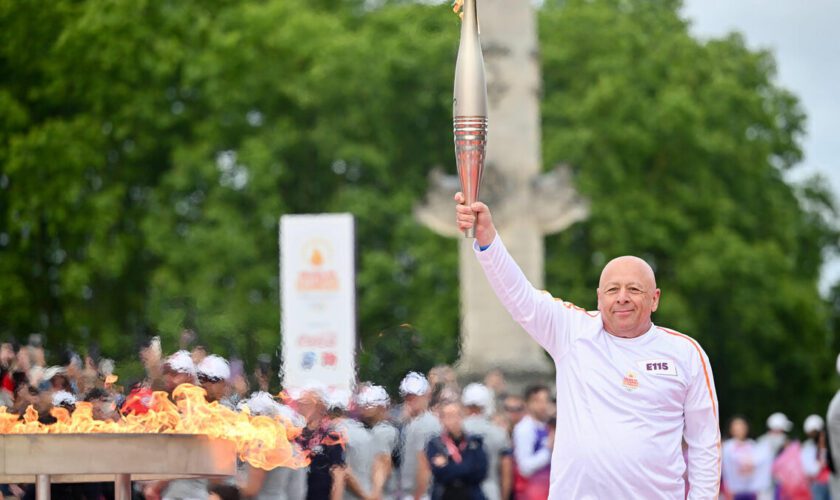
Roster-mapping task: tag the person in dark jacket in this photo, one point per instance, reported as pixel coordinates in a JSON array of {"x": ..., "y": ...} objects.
[{"x": 457, "y": 459}]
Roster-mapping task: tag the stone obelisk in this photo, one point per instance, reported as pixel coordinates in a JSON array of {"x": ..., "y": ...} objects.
[{"x": 526, "y": 204}]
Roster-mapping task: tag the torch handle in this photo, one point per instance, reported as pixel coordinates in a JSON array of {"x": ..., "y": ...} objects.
[{"x": 468, "y": 201}]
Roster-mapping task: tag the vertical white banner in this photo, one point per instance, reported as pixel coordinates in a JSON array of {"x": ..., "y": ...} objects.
[{"x": 318, "y": 300}]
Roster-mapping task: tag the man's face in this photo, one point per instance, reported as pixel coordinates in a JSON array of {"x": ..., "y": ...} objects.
[
  {"x": 173, "y": 379},
  {"x": 23, "y": 360},
  {"x": 26, "y": 395},
  {"x": 103, "y": 409},
  {"x": 151, "y": 354},
  {"x": 539, "y": 406},
  {"x": 59, "y": 382},
  {"x": 738, "y": 429},
  {"x": 495, "y": 381},
  {"x": 7, "y": 355},
  {"x": 514, "y": 408},
  {"x": 215, "y": 390},
  {"x": 627, "y": 296},
  {"x": 371, "y": 413},
  {"x": 416, "y": 404},
  {"x": 310, "y": 406},
  {"x": 452, "y": 418}
]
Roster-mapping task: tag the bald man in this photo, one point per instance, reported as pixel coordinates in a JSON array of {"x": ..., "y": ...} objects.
[{"x": 636, "y": 403}]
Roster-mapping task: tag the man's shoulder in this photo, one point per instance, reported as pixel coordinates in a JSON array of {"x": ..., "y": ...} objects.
[
  {"x": 679, "y": 341},
  {"x": 483, "y": 426},
  {"x": 347, "y": 424},
  {"x": 422, "y": 426},
  {"x": 593, "y": 317},
  {"x": 384, "y": 428},
  {"x": 427, "y": 421}
]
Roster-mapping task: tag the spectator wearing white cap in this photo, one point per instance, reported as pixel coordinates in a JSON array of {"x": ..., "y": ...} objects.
[
  {"x": 358, "y": 447},
  {"x": 326, "y": 475},
  {"x": 178, "y": 369},
  {"x": 64, "y": 399},
  {"x": 372, "y": 404},
  {"x": 815, "y": 458},
  {"x": 281, "y": 483},
  {"x": 478, "y": 401},
  {"x": 213, "y": 374},
  {"x": 414, "y": 475},
  {"x": 769, "y": 445},
  {"x": 778, "y": 427}
]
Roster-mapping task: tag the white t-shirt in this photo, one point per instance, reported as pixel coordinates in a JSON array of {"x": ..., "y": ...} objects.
[
  {"x": 529, "y": 446},
  {"x": 624, "y": 406},
  {"x": 417, "y": 433},
  {"x": 740, "y": 461},
  {"x": 359, "y": 453}
]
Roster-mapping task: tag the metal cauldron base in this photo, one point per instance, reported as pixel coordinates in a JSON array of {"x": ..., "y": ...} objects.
[{"x": 81, "y": 458}]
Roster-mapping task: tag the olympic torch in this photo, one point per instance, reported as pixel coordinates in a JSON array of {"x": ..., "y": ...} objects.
[{"x": 469, "y": 108}]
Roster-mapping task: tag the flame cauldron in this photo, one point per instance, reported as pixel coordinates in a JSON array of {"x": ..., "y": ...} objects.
[{"x": 81, "y": 458}]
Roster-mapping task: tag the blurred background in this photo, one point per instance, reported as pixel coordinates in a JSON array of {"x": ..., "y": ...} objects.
[{"x": 148, "y": 149}]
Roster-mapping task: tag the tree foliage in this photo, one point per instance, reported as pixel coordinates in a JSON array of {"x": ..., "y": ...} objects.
[{"x": 148, "y": 150}]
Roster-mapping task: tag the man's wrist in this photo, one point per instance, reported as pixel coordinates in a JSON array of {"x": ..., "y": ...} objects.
[{"x": 485, "y": 243}]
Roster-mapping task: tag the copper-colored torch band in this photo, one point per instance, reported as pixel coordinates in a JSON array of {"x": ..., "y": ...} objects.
[{"x": 470, "y": 149}]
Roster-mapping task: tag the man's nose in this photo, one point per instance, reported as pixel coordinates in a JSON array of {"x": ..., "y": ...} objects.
[{"x": 623, "y": 296}]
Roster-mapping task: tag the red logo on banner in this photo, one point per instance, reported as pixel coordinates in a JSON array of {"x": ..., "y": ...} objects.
[{"x": 328, "y": 359}]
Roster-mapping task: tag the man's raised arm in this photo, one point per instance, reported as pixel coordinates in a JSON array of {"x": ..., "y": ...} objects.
[
  {"x": 548, "y": 321},
  {"x": 702, "y": 432}
]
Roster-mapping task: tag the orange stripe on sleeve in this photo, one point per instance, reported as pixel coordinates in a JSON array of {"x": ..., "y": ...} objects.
[
  {"x": 708, "y": 386},
  {"x": 702, "y": 361}
]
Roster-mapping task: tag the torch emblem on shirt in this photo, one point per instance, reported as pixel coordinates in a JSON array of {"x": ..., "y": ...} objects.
[{"x": 631, "y": 382}]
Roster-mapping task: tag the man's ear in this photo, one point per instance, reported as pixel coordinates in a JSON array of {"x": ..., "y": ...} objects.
[{"x": 656, "y": 296}]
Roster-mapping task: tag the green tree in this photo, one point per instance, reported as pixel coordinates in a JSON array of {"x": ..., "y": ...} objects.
[
  {"x": 309, "y": 110},
  {"x": 148, "y": 149},
  {"x": 88, "y": 127}
]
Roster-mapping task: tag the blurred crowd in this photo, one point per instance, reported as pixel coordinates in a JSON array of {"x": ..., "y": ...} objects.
[
  {"x": 780, "y": 465},
  {"x": 435, "y": 440},
  {"x": 775, "y": 465}
]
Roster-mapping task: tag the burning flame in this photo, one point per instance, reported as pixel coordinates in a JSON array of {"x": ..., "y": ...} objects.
[
  {"x": 264, "y": 442},
  {"x": 458, "y": 8}
]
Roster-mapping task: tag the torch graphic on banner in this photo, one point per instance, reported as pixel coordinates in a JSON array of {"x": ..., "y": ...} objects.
[{"x": 469, "y": 108}]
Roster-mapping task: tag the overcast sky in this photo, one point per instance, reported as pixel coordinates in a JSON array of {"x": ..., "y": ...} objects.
[{"x": 804, "y": 35}]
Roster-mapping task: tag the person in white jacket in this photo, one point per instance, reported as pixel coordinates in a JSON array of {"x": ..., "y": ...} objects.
[
  {"x": 637, "y": 411},
  {"x": 814, "y": 457}
]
